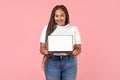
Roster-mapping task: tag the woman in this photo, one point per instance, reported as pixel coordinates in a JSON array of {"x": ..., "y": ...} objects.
[{"x": 57, "y": 67}]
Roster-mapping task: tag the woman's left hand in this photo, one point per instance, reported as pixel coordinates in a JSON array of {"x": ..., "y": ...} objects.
[
  {"x": 77, "y": 50},
  {"x": 74, "y": 53}
]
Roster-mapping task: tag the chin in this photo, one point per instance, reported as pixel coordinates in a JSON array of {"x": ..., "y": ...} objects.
[{"x": 61, "y": 24}]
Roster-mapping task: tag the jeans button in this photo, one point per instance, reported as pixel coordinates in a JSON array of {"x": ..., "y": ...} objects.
[{"x": 60, "y": 57}]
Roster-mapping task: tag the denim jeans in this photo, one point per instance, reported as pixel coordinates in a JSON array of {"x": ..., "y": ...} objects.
[{"x": 61, "y": 68}]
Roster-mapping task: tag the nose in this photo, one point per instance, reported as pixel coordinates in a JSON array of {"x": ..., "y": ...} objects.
[{"x": 59, "y": 17}]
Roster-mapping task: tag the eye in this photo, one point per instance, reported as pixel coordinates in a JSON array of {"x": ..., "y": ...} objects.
[
  {"x": 56, "y": 15},
  {"x": 62, "y": 15}
]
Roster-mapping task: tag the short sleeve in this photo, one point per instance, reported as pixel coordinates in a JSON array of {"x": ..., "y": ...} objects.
[
  {"x": 77, "y": 36},
  {"x": 43, "y": 34}
]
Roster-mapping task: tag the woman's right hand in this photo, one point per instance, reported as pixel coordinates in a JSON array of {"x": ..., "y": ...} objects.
[
  {"x": 47, "y": 54},
  {"x": 43, "y": 50}
]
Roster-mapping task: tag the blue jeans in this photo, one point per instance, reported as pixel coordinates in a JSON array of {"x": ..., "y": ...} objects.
[{"x": 61, "y": 68}]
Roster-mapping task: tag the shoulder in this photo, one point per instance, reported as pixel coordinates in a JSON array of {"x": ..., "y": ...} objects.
[
  {"x": 72, "y": 26},
  {"x": 45, "y": 27}
]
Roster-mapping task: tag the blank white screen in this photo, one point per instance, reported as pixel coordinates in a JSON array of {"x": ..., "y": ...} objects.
[{"x": 60, "y": 43}]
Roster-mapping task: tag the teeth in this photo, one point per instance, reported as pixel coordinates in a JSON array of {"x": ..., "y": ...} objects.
[{"x": 59, "y": 21}]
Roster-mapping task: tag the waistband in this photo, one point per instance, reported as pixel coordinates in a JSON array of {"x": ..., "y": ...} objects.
[
  {"x": 60, "y": 54},
  {"x": 61, "y": 57}
]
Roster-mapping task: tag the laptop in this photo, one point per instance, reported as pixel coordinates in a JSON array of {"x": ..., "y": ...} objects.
[{"x": 60, "y": 44}]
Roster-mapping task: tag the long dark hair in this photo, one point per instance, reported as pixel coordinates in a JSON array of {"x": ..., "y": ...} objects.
[{"x": 52, "y": 25}]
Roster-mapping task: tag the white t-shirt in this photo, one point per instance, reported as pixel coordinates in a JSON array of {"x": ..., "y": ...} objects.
[{"x": 63, "y": 30}]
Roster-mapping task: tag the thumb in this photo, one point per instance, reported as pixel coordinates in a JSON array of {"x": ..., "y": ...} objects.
[{"x": 45, "y": 52}]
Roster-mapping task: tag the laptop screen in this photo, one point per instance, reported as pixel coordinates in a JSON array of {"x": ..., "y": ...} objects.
[{"x": 59, "y": 43}]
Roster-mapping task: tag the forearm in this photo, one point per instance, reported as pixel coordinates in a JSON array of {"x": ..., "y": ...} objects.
[
  {"x": 77, "y": 48},
  {"x": 42, "y": 48}
]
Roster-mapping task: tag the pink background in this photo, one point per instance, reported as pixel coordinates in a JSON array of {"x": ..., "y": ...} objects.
[{"x": 21, "y": 22}]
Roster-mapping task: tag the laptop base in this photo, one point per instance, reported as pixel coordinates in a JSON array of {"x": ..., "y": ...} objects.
[{"x": 52, "y": 52}]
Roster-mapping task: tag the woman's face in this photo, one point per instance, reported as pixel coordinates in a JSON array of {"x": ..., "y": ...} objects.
[{"x": 60, "y": 17}]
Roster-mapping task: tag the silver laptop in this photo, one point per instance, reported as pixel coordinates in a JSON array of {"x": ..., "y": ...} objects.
[{"x": 60, "y": 44}]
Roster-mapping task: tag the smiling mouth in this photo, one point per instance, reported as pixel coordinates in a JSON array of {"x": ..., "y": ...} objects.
[{"x": 59, "y": 21}]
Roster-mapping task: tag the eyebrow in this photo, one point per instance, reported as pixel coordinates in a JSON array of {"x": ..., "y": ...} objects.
[{"x": 60, "y": 14}]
